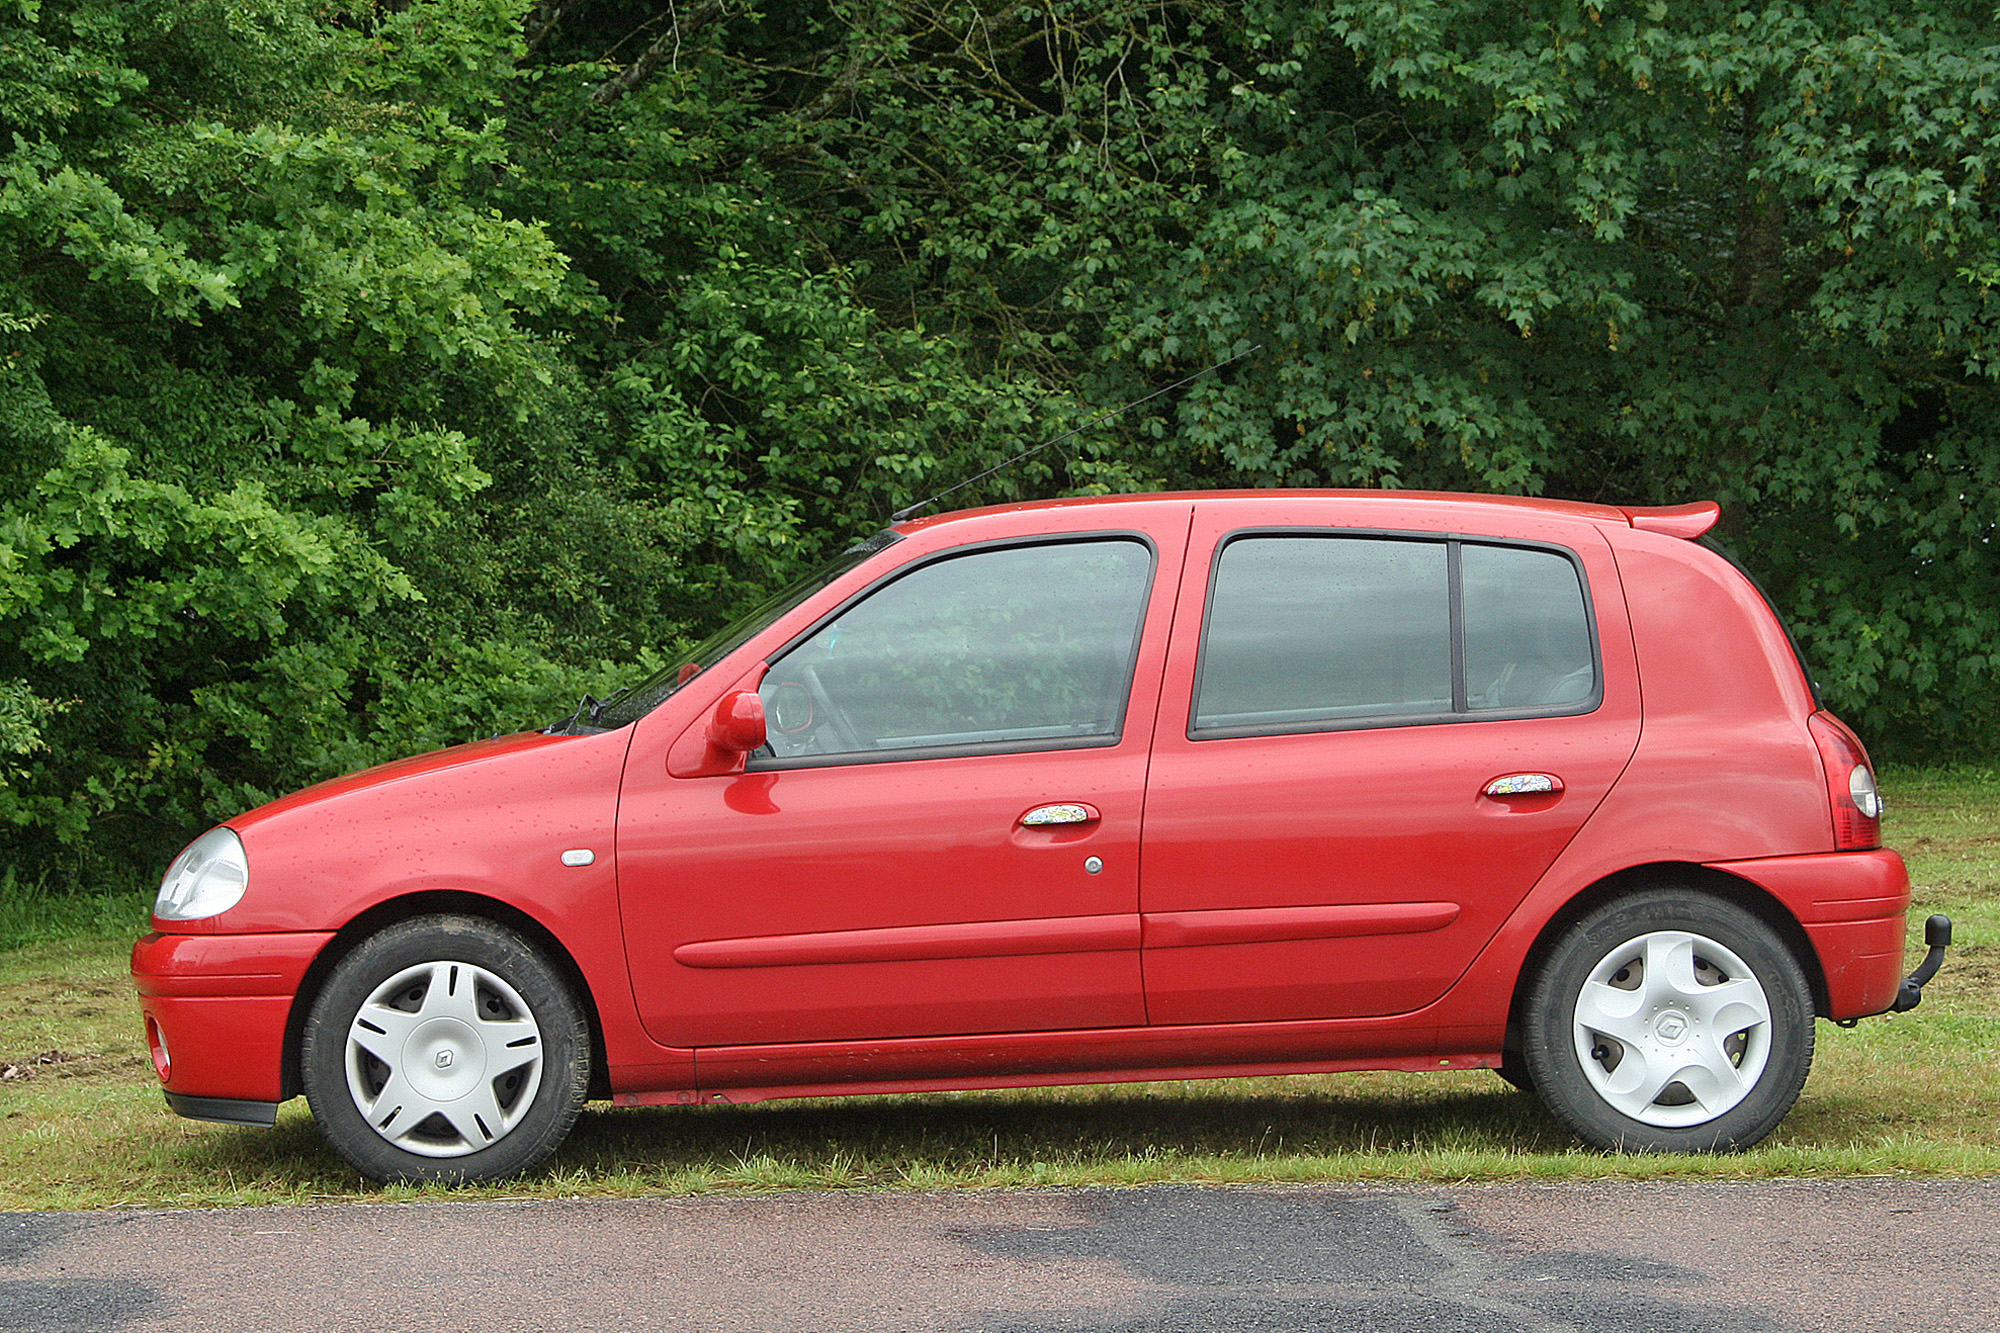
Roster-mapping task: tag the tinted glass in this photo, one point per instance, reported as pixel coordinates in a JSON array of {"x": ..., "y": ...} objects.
[
  {"x": 1527, "y": 633},
  {"x": 1012, "y": 648},
  {"x": 1312, "y": 631}
]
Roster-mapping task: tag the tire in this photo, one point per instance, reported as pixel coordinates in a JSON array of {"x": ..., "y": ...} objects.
[
  {"x": 1669, "y": 1021},
  {"x": 445, "y": 1048},
  {"x": 1514, "y": 1070}
]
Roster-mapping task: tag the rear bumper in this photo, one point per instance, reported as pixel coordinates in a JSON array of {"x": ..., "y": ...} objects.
[
  {"x": 1854, "y": 908},
  {"x": 216, "y": 1009}
]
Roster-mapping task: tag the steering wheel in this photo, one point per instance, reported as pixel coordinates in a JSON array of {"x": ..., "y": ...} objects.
[{"x": 823, "y": 705}]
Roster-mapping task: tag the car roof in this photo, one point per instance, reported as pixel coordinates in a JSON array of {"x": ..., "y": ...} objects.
[{"x": 1686, "y": 520}]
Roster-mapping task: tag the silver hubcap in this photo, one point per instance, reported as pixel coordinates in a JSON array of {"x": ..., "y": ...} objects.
[
  {"x": 1672, "y": 1029},
  {"x": 443, "y": 1059}
]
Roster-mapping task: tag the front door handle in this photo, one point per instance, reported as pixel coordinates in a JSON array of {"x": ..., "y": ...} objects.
[
  {"x": 1525, "y": 784},
  {"x": 1062, "y": 812}
]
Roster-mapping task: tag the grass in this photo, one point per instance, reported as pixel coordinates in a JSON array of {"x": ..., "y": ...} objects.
[
  {"x": 31, "y": 914},
  {"x": 82, "y": 1125}
]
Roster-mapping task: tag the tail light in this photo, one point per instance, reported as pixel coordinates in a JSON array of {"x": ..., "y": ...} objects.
[{"x": 1850, "y": 785}]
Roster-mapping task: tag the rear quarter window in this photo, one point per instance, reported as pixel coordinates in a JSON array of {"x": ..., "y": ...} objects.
[{"x": 1527, "y": 629}]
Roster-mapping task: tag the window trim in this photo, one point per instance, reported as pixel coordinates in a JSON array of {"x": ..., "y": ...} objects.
[
  {"x": 771, "y": 763},
  {"x": 1453, "y": 542}
]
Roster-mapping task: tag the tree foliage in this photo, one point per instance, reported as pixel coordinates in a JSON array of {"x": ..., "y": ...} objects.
[{"x": 373, "y": 375}]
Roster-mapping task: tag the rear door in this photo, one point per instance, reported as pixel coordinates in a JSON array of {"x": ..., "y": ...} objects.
[{"x": 1371, "y": 747}]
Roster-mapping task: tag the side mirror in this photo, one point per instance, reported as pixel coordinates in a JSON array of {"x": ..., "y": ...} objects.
[{"x": 737, "y": 725}]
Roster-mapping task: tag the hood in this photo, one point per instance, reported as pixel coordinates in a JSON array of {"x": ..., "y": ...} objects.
[{"x": 417, "y": 771}]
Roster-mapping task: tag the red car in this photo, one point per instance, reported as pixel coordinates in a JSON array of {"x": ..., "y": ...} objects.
[{"x": 1166, "y": 786}]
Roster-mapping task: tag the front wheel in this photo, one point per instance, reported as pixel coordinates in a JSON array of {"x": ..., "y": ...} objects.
[
  {"x": 1669, "y": 1021},
  {"x": 445, "y": 1048}
]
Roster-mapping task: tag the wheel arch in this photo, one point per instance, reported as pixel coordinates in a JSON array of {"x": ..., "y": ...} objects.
[
  {"x": 432, "y": 903},
  {"x": 1668, "y": 874}
]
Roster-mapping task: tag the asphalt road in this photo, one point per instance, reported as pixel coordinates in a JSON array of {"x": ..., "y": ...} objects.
[{"x": 1719, "y": 1258}]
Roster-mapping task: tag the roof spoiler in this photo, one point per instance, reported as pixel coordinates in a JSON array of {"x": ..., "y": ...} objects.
[{"x": 1688, "y": 520}]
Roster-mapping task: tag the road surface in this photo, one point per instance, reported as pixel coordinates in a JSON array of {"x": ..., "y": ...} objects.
[{"x": 1590, "y": 1257}]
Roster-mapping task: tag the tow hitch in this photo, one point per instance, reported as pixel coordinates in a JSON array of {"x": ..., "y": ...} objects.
[{"x": 1937, "y": 935}]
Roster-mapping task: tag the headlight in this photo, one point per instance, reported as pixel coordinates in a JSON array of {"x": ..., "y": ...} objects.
[{"x": 207, "y": 878}]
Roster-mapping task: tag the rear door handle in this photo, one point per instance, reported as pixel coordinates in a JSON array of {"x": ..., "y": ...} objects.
[{"x": 1062, "y": 812}]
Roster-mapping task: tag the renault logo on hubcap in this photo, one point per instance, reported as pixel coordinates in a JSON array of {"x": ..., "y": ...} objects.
[
  {"x": 444, "y": 1059},
  {"x": 1671, "y": 1027}
]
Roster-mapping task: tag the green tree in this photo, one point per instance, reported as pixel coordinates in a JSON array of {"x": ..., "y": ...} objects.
[
  {"x": 262, "y": 354},
  {"x": 1631, "y": 252},
  {"x": 375, "y": 374}
]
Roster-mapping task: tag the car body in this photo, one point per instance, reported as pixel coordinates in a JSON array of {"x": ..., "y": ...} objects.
[{"x": 1118, "y": 788}]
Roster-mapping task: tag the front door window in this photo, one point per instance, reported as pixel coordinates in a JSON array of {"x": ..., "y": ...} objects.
[{"x": 1004, "y": 649}]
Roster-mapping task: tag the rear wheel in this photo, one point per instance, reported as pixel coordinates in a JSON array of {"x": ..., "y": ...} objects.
[
  {"x": 1669, "y": 1021},
  {"x": 445, "y": 1048}
]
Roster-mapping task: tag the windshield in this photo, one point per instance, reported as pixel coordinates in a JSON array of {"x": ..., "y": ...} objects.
[{"x": 631, "y": 704}]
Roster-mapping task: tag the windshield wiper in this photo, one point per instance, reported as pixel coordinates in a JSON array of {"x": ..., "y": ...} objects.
[
  {"x": 590, "y": 712},
  {"x": 597, "y": 706}
]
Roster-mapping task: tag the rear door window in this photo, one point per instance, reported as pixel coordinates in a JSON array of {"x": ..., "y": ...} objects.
[{"x": 1315, "y": 632}]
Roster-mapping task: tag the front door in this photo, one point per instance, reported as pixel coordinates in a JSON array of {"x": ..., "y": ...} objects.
[{"x": 943, "y": 835}]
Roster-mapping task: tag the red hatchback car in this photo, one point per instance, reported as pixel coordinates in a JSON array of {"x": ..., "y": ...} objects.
[{"x": 1164, "y": 786}]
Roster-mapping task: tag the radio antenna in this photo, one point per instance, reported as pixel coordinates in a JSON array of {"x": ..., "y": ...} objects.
[{"x": 902, "y": 514}]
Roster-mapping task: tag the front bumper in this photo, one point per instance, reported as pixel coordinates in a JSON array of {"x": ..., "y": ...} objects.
[
  {"x": 216, "y": 1009},
  {"x": 224, "y": 1110}
]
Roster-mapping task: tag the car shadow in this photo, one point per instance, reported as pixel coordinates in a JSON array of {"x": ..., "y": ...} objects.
[{"x": 1278, "y": 1128}]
